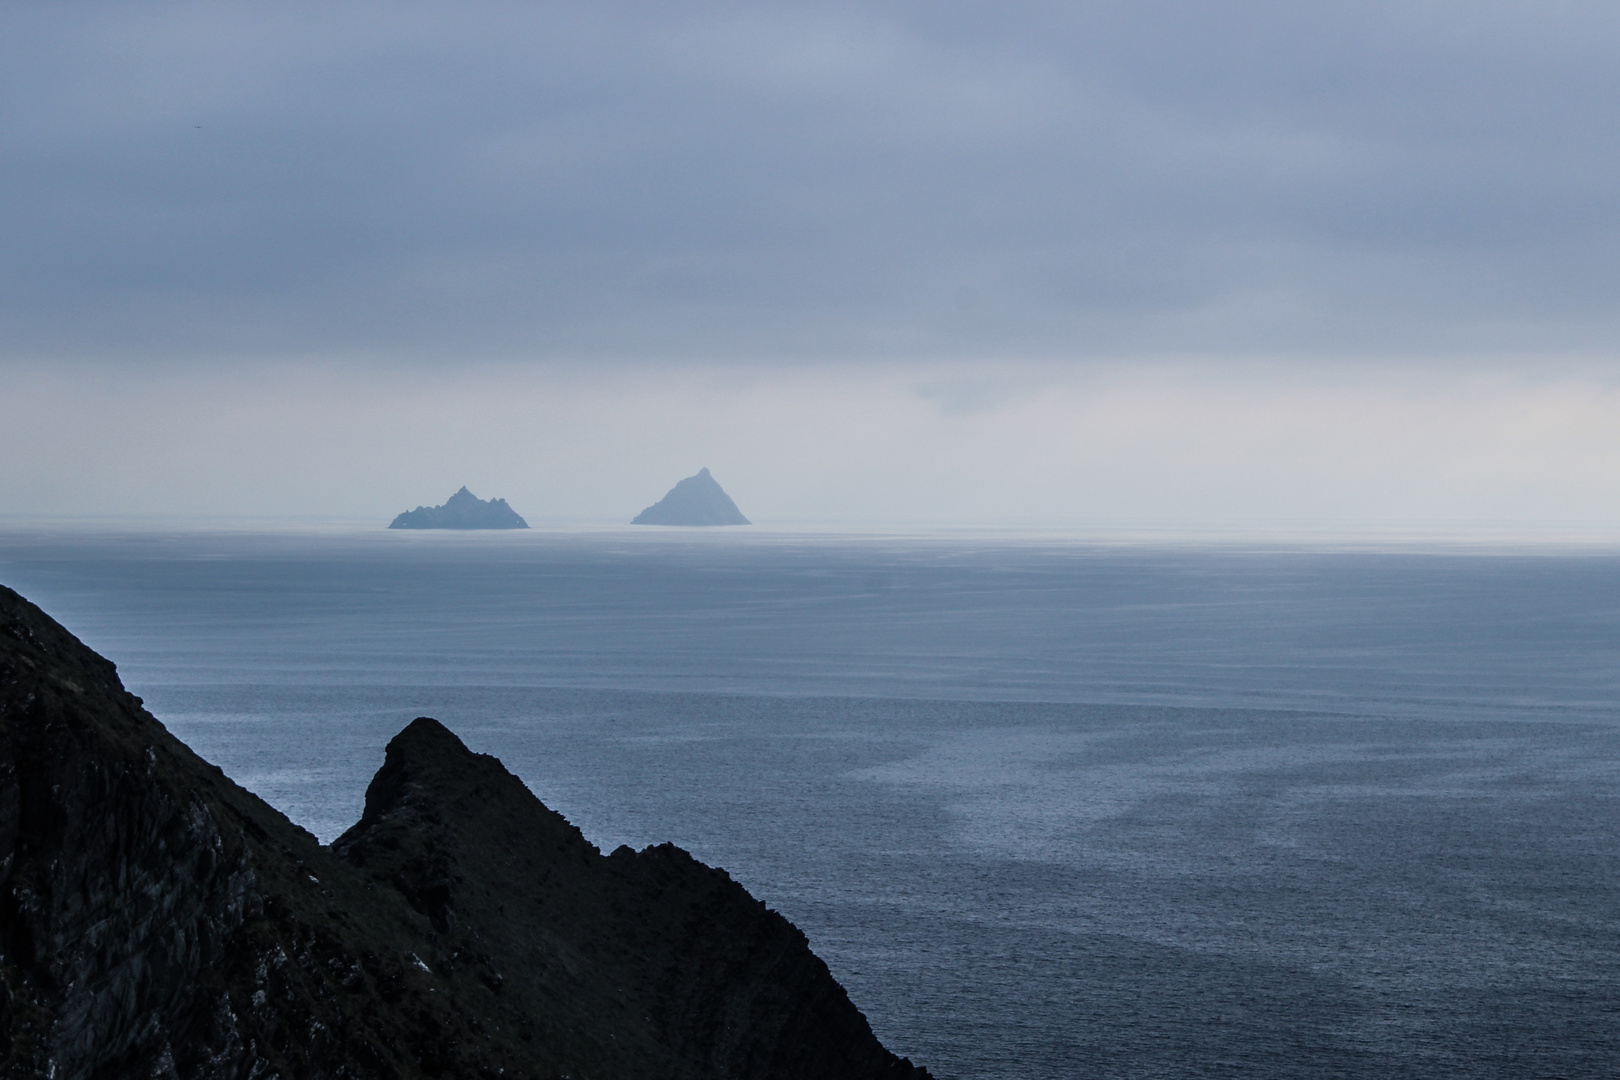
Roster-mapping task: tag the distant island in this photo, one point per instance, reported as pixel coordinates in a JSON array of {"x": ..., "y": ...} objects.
[
  {"x": 463, "y": 510},
  {"x": 697, "y": 500}
]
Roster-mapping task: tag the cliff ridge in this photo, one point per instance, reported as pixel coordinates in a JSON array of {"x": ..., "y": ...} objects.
[{"x": 157, "y": 920}]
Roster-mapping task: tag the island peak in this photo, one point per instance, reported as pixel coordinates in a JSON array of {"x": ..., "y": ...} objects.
[
  {"x": 463, "y": 510},
  {"x": 697, "y": 500}
]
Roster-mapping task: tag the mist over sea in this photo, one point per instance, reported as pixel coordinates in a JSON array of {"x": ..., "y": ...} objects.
[{"x": 1047, "y": 809}]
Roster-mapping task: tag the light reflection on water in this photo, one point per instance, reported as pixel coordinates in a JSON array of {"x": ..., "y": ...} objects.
[{"x": 1047, "y": 810}]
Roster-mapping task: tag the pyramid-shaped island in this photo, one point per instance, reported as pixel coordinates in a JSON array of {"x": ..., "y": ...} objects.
[
  {"x": 463, "y": 510},
  {"x": 697, "y": 500}
]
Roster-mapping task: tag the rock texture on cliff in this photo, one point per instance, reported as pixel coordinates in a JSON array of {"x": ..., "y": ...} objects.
[
  {"x": 156, "y": 920},
  {"x": 463, "y": 510},
  {"x": 697, "y": 500}
]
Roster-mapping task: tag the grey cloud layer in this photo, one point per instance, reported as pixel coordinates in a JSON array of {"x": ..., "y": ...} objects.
[{"x": 808, "y": 180}]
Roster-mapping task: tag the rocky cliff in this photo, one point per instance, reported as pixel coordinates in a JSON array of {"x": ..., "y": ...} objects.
[{"x": 156, "y": 920}]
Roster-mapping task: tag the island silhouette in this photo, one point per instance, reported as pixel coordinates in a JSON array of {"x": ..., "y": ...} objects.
[
  {"x": 463, "y": 510},
  {"x": 697, "y": 500}
]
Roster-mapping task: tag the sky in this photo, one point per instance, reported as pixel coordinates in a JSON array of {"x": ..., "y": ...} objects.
[{"x": 1162, "y": 264}]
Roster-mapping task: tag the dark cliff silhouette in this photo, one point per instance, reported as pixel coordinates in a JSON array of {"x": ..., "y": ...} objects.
[
  {"x": 697, "y": 500},
  {"x": 156, "y": 920},
  {"x": 463, "y": 510}
]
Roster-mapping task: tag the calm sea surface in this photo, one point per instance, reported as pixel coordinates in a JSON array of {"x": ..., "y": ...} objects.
[{"x": 1046, "y": 809}]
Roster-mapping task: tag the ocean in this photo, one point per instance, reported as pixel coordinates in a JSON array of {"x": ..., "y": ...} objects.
[{"x": 1047, "y": 808}]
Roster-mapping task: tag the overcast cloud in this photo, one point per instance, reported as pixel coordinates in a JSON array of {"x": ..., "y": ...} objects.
[
  {"x": 809, "y": 180},
  {"x": 890, "y": 210}
]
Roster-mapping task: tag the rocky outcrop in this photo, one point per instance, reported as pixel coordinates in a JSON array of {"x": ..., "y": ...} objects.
[
  {"x": 697, "y": 500},
  {"x": 156, "y": 920},
  {"x": 463, "y": 510}
]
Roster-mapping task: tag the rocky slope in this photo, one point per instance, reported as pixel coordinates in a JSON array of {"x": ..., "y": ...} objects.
[
  {"x": 156, "y": 920},
  {"x": 697, "y": 500}
]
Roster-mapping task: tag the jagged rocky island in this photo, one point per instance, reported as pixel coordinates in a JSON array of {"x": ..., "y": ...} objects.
[
  {"x": 158, "y": 921},
  {"x": 463, "y": 510},
  {"x": 697, "y": 500}
]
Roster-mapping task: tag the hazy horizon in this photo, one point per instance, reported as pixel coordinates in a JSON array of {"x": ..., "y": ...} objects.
[{"x": 1082, "y": 266}]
